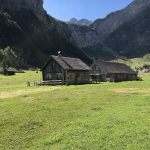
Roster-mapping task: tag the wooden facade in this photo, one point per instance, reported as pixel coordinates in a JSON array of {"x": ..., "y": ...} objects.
[
  {"x": 113, "y": 72},
  {"x": 66, "y": 70}
]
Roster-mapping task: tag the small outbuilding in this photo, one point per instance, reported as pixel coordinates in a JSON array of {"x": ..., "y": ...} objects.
[
  {"x": 111, "y": 71},
  {"x": 66, "y": 70},
  {"x": 9, "y": 72}
]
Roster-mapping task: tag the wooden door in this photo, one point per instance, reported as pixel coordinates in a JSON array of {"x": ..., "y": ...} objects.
[{"x": 76, "y": 77}]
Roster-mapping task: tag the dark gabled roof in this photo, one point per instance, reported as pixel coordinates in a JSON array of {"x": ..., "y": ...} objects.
[
  {"x": 69, "y": 63},
  {"x": 112, "y": 67}
]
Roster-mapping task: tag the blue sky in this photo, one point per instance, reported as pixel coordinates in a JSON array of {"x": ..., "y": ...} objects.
[{"x": 89, "y": 9}]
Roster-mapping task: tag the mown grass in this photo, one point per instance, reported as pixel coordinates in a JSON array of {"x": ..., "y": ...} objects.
[
  {"x": 19, "y": 81},
  {"x": 85, "y": 117}
]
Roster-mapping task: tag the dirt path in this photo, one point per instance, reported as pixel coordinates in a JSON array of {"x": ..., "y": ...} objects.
[
  {"x": 131, "y": 90},
  {"x": 6, "y": 94}
]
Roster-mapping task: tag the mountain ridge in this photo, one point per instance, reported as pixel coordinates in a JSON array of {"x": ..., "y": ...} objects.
[
  {"x": 113, "y": 20},
  {"x": 82, "y": 22},
  {"x": 133, "y": 36}
]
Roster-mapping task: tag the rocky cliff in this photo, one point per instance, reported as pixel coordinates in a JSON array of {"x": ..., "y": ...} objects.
[
  {"x": 103, "y": 37},
  {"x": 89, "y": 41},
  {"x": 16, "y": 5},
  {"x": 107, "y": 25},
  {"x": 33, "y": 34},
  {"x": 132, "y": 39}
]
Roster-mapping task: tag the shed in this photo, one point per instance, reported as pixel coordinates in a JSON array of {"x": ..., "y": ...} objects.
[
  {"x": 67, "y": 70},
  {"x": 103, "y": 71},
  {"x": 9, "y": 71}
]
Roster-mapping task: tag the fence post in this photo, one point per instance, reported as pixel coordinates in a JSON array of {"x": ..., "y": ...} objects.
[{"x": 28, "y": 83}]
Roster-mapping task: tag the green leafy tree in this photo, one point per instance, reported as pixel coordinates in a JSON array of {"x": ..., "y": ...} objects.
[{"x": 8, "y": 58}]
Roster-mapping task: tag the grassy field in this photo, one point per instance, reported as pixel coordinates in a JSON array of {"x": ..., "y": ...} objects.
[
  {"x": 106, "y": 116},
  {"x": 136, "y": 62}
]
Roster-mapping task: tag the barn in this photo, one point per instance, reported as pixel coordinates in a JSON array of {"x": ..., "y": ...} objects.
[
  {"x": 66, "y": 70},
  {"x": 111, "y": 71}
]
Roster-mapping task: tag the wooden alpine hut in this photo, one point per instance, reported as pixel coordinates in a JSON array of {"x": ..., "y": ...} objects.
[
  {"x": 111, "y": 71},
  {"x": 65, "y": 70}
]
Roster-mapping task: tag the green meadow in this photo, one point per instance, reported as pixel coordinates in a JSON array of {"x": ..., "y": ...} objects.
[
  {"x": 104, "y": 116},
  {"x": 135, "y": 62}
]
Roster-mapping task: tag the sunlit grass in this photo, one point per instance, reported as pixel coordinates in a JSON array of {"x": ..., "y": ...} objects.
[{"x": 86, "y": 117}]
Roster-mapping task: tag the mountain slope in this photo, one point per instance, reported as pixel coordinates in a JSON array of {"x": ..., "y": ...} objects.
[
  {"x": 107, "y": 25},
  {"x": 132, "y": 39},
  {"x": 43, "y": 35},
  {"x": 38, "y": 35},
  {"x": 99, "y": 40}
]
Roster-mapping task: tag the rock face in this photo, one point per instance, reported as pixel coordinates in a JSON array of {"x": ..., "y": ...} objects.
[
  {"x": 81, "y": 22},
  {"x": 83, "y": 36},
  {"x": 132, "y": 39},
  {"x": 33, "y": 34},
  {"x": 107, "y": 25},
  {"x": 111, "y": 36},
  {"x": 16, "y": 5},
  {"x": 47, "y": 35}
]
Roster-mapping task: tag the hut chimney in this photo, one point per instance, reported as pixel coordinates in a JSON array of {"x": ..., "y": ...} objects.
[{"x": 59, "y": 53}]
